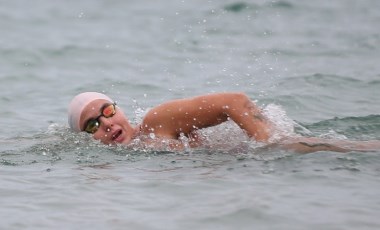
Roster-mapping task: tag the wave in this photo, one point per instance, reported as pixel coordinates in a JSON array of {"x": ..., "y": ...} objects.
[
  {"x": 321, "y": 79},
  {"x": 242, "y": 6},
  {"x": 362, "y": 128},
  {"x": 57, "y": 144}
]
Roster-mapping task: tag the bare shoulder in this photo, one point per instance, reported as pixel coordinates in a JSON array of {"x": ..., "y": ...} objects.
[
  {"x": 221, "y": 96},
  {"x": 216, "y": 99},
  {"x": 197, "y": 103}
]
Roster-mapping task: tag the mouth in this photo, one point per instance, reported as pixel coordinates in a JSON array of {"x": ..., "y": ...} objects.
[{"x": 117, "y": 136}]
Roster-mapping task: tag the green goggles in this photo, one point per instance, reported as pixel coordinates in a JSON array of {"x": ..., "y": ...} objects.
[{"x": 107, "y": 111}]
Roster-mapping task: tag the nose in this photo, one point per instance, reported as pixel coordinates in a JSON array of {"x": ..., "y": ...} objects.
[{"x": 106, "y": 123}]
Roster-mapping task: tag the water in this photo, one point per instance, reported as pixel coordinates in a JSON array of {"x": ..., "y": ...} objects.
[{"x": 313, "y": 65}]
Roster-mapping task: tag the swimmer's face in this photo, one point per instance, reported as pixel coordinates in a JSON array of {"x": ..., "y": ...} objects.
[{"x": 114, "y": 129}]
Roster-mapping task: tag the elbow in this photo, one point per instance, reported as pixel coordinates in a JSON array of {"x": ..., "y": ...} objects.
[{"x": 241, "y": 99}]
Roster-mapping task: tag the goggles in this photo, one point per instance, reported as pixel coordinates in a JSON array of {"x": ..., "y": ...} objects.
[{"x": 107, "y": 111}]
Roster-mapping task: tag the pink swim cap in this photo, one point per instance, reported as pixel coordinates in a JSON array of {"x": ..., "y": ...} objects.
[{"x": 78, "y": 104}]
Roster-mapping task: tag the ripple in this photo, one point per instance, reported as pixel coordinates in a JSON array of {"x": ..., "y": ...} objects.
[
  {"x": 352, "y": 127},
  {"x": 237, "y": 7}
]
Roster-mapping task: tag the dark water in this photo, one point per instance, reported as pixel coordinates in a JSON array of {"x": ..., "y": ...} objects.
[{"x": 313, "y": 65}]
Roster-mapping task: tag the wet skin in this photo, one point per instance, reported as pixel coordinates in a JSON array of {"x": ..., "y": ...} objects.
[
  {"x": 185, "y": 116},
  {"x": 112, "y": 130}
]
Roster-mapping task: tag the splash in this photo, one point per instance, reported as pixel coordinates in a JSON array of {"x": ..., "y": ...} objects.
[
  {"x": 227, "y": 137},
  {"x": 57, "y": 144},
  {"x": 283, "y": 126}
]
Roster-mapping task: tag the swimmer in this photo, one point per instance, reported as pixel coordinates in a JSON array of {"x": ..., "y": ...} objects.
[{"x": 165, "y": 124}]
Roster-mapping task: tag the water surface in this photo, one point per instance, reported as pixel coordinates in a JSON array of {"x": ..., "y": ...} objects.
[{"x": 315, "y": 64}]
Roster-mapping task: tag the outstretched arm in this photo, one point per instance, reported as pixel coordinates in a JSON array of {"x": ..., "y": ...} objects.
[{"x": 185, "y": 116}]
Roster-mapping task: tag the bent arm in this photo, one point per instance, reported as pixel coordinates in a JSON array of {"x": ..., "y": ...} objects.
[
  {"x": 185, "y": 116},
  {"x": 247, "y": 116}
]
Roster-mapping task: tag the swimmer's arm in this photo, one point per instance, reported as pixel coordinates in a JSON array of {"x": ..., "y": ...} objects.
[
  {"x": 187, "y": 115},
  {"x": 248, "y": 116}
]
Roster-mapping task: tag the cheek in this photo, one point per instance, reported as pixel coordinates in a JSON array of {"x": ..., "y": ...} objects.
[
  {"x": 120, "y": 119},
  {"x": 101, "y": 136}
]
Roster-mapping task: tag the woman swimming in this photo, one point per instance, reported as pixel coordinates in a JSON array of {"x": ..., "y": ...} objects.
[{"x": 164, "y": 124}]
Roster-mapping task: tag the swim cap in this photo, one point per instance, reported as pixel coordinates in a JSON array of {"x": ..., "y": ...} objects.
[{"x": 78, "y": 104}]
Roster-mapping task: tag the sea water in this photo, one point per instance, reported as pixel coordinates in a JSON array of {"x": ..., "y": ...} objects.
[{"x": 312, "y": 65}]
